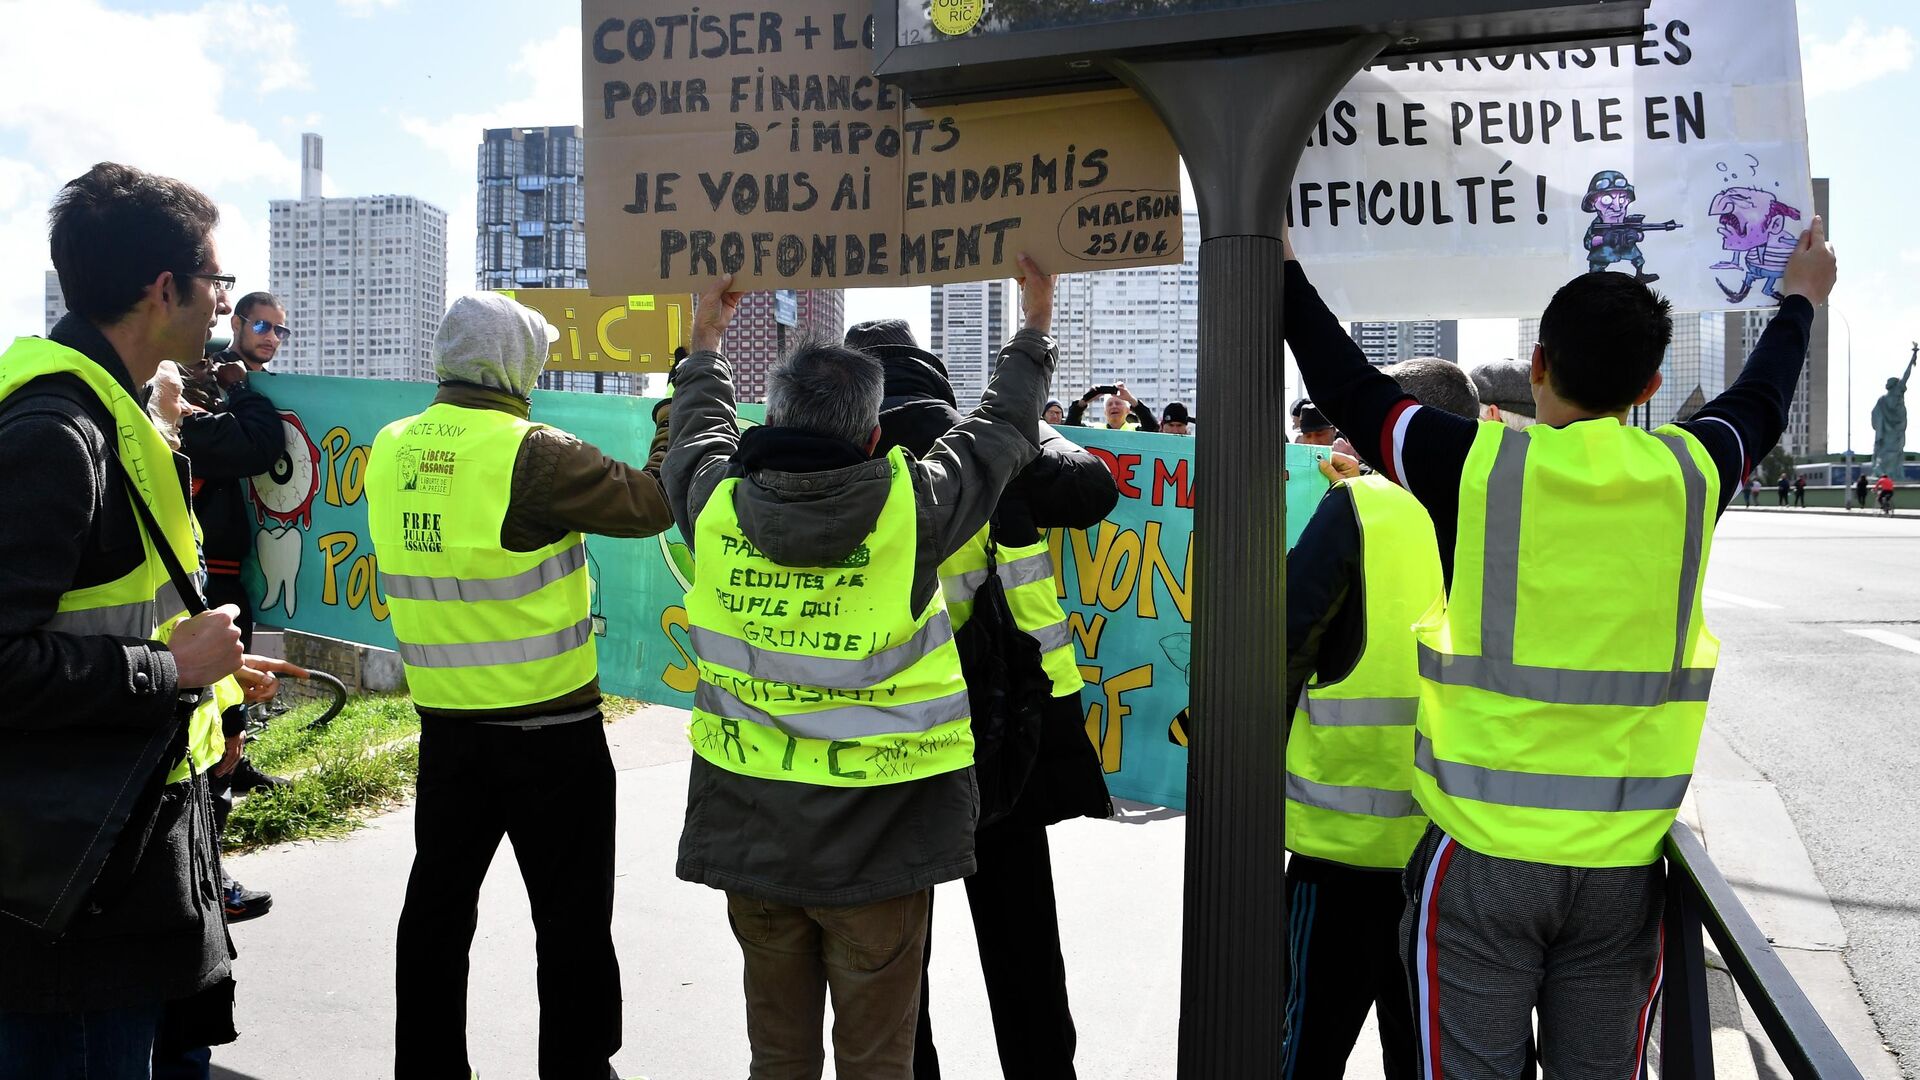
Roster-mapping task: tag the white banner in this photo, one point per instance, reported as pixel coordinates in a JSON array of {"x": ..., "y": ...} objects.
[{"x": 1475, "y": 188}]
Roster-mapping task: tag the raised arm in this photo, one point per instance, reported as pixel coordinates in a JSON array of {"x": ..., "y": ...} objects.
[
  {"x": 966, "y": 471},
  {"x": 703, "y": 427}
]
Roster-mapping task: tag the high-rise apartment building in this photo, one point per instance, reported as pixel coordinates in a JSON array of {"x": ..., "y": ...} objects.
[
  {"x": 1693, "y": 372},
  {"x": 971, "y": 321},
  {"x": 1392, "y": 342},
  {"x": 56, "y": 300},
  {"x": 364, "y": 279},
  {"x": 756, "y": 339},
  {"x": 1140, "y": 326},
  {"x": 532, "y": 209}
]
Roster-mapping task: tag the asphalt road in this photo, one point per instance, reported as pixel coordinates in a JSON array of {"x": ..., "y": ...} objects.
[{"x": 1819, "y": 689}]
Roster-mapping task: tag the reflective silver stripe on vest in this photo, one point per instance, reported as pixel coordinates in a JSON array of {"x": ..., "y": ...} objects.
[
  {"x": 1550, "y": 791},
  {"x": 136, "y": 620},
  {"x": 1373, "y": 802},
  {"x": 1361, "y": 712},
  {"x": 840, "y": 722},
  {"x": 1566, "y": 686},
  {"x": 488, "y": 653},
  {"x": 1494, "y": 670},
  {"x": 1026, "y": 570},
  {"x": 725, "y": 650},
  {"x": 1696, "y": 487},
  {"x": 1057, "y": 636},
  {"x": 421, "y": 587}
]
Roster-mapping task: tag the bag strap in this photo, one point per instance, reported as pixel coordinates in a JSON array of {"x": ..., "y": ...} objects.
[{"x": 182, "y": 583}]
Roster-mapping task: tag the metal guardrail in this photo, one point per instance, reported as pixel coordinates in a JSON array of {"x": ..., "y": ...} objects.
[{"x": 1699, "y": 898}]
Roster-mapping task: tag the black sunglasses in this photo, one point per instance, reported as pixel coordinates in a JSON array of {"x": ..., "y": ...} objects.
[
  {"x": 261, "y": 326},
  {"x": 222, "y": 283}
]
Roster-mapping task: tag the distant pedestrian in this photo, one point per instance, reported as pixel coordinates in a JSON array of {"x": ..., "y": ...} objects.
[
  {"x": 1753, "y": 491},
  {"x": 1860, "y": 491},
  {"x": 1785, "y": 485},
  {"x": 1884, "y": 486},
  {"x": 1800, "y": 491}
]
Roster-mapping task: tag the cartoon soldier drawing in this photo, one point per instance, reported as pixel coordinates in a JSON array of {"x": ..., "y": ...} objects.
[{"x": 1615, "y": 235}]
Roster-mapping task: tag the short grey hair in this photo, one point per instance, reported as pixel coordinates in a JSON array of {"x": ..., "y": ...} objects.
[
  {"x": 827, "y": 389},
  {"x": 1437, "y": 384}
]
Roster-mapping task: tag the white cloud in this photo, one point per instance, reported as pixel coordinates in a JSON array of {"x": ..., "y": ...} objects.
[
  {"x": 550, "y": 71},
  {"x": 1859, "y": 57},
  {"x": 548, "y": 79},
  {"x": 361, "y": 9},
  {"x": 1911, "y": 255},
  {"x": 151, "y": 91}
]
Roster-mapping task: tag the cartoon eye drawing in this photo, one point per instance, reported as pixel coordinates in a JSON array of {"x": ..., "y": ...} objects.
[{"x": 285, "y": 491}]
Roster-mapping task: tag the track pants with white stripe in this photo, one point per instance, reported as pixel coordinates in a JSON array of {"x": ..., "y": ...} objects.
[
  {"x": 1344, "y": 955},
  {"x": 1489, "y": 941}
]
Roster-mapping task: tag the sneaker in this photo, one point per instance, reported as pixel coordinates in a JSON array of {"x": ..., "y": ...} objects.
[
  {"x": 243, "y": 903},
  {"x": 248, "y": 777}
]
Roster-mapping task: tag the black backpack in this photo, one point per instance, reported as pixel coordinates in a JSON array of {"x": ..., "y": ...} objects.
[{"x": 1007, "y": 688}]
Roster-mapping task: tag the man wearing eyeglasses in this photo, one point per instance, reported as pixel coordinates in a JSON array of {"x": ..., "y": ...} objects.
[{"x": 229, "y": 430}]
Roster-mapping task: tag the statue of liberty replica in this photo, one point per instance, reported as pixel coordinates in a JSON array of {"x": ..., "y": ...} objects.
[{"x": 1890, "y": 424}]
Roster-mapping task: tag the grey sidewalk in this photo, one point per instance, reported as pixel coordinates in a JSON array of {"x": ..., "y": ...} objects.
[{"x": 316, "y": 976}]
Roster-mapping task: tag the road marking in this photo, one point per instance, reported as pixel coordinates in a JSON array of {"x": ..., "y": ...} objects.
[
  {"x": 1719, "y": 597},
  {"x": 1888, "y": 637}
]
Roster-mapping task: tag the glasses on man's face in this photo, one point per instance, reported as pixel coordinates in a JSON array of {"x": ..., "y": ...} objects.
[
  {"x": 261, "y": 326},
  {"x": 222, "y": 283}
]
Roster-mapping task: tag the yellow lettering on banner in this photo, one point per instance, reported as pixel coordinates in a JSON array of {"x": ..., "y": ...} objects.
[
  {"x": 1088, "y": 562},
  {"x": 683, "y": 676},
  {"x": 1088, "y": 631},
  {"x": 1181, "y": 590},
  {"x": 607, "y": 348},
  {"x": 346, "y": 467},
  {"x": 1119, "y": 570},
  {"x": 1105, "y": 719},
  {"x": 336, "y": 548}
]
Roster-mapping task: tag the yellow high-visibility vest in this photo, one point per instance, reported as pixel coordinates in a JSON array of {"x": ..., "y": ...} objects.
[
  {"x": 1026, "y": 573},
  {"x": 1564, "y": 690},
  {"x": 142, "y": 603},
  {"x": 478, "y": 627},
  {"x": 1350, "y": 750},
  {"x": 823, "y": 674}
]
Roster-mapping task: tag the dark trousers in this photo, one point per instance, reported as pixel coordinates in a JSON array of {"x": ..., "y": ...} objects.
[
  {"x": 1491, "y": 942},
  {"x": 1018, "y": 929},
  {"x": 867, "y": 956},
  {"x": 1344, "y": 952},
  {"x": 105, "y": 1044},
  {"x": 549, "y": 790}
]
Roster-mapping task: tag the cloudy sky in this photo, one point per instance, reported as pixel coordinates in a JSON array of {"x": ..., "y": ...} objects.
[{"x": 218, "y": 93}]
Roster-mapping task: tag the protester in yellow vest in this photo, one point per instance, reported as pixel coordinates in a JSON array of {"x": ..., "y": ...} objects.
[
  {"x": 1042, "y": 777},
  {"x": 1366, "y": 568},
  {"x": 109, "y": 890},
  {"x": 1563, "y": 689},
  {"x": 832, "y": 780},
  {"x": 477, "y": 515}
]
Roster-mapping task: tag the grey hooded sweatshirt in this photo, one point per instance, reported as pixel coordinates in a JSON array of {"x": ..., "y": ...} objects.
[{"x": 794, "y": 843}]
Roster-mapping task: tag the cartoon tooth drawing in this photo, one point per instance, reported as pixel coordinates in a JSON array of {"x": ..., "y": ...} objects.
[
  {"x": 1754, "y": 231},
  {"x": 1614, "y": 235},
  {"x": 278, "y": 552}
]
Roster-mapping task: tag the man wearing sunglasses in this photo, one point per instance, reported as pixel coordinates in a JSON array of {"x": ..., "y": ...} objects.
[{"x": 229, "y": 430}]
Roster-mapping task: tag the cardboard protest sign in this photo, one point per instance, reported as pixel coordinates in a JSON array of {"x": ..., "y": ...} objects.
[
  {"x": 1126, "y": 585},
  {"x": 611, "y": 333},
  {"x": 1682, "y": 158},
  {"x": 758, "y": 142}
]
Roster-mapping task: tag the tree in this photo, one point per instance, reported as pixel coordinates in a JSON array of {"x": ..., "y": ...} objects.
[{"x": 1776, "y": 464}]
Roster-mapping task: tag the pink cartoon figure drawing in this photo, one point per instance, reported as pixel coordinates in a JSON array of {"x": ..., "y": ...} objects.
[{"x": 1755, "y": 234}]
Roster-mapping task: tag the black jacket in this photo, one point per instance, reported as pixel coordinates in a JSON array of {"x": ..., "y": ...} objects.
[
  {"x": 239, "y": 436},
  {"x": 153, "y": 928},
  {"x": 1063, "y": 488}
]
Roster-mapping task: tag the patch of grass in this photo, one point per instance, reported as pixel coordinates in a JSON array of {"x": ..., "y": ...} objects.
[{"x": 338, "y": 778}]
